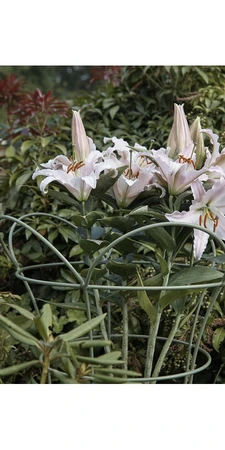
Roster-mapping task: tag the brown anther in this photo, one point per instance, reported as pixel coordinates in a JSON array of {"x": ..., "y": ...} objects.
[
  {"x": 187, "y": 160},
  {"x": 216, "y": 222},
  {"x": 74, "y": 166}
]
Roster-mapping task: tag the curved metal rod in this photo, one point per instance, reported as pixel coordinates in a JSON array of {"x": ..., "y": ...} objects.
[
  {"x": 170, "y": 377},
  {"x": 145, "y": 228},
  {"x": 44, "y": 240}
]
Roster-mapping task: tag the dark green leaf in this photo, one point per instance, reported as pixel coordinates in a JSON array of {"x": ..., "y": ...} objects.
[
  {"x": 195, "y": 275},
  {"x": 218, "y": 338}
]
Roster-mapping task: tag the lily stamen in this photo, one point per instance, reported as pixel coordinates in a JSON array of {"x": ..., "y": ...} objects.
[
  {"x": 187, "y": 160},
  {"x": 75, "y": 166},
  {"x": 209, "y": 215}
]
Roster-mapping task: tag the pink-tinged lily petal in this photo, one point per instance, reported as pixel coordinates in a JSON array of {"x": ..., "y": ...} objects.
[
  {"x": 215, "y": 152},
  {"x": 177, "y": 176},
  {"x": 121, "y": 147},
  {"x": 200, "y": 243},
  {"x": 207, "y": 210},
  {"x": 127, "y": 190}
]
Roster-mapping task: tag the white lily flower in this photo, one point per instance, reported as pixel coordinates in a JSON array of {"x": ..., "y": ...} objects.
[
  {"x": 176, "y": 176},
  {"x": 79, "y": 178},
  {"x": 139, "y": 174},
  {"x": 207, "y": 210}
]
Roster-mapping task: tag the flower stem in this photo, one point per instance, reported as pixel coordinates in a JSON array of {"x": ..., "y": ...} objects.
[
  {"x": 154, "y": 328},
  {"x": 102, "y": 324},
  {"x": 125, "y": 334},
  {"x": 166, "y": 347},
  {"x": 151, "y": 345}
]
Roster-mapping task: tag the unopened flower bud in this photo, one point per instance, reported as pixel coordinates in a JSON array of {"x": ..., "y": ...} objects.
[
  {"x": 198, "y": 140},
  {"x": 79, "y": 138},
  {"x": 180, "y": 137}
]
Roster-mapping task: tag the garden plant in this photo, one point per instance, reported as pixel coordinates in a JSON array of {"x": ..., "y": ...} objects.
[{"x": 112, "y": 249}]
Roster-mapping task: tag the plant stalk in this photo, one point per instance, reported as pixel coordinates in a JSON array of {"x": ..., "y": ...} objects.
[{"x": 166, "y": 347}]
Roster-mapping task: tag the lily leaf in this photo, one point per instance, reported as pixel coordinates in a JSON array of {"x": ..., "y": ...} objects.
[
  {"x": 195, "y": 275},
  {"x": 106, "y": 181},
  {"x": 145, "y": 302}
]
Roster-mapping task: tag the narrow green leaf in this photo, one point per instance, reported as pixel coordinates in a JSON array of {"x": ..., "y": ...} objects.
[
  {"x": 202, "y": 74},
  {"x": 17, "y": 332},
  {"x": 121, "y": 372},
  {"x": 18, "y": 367},
  {"x": 109, "y": 380},
  {"x": 170, "y": 296},
  {"x": 112, "y": 356},
  {"x": 22, "y": 179},
  {"x": 83, "y": 329},
  {"x": 44, "y": 322},
  {"x": 113, "y": 110},
  {"x": 145, "y": 302},
  {"x": 96, "y": 361},
  {"x": 63, "y": 378},
  {"x": 195, "y": 275},
  {"x": 162, "y": 238},
  {"x": 22, "y": 311},
  {"x": 90, "y": 343}
]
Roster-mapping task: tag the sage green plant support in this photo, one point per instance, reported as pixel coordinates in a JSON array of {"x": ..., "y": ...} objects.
[{"x": 86, "y": 286}]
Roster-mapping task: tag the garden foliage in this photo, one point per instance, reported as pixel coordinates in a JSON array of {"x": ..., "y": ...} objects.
[{"x": 136, "y": 104}]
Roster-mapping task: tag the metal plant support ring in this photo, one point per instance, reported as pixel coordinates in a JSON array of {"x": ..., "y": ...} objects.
[{"x": 86, "y": 285}]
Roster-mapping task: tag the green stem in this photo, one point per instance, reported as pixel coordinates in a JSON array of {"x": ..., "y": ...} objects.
[
  {"x": 151, "y": 345},
  {"x": 102, "y": 324},
  {"x": 166, "y": 347},
  {"x": 45, "y": 368},
  {"x": 188, "y": 360},
  {"x": 125, "y": 334},
  {"x": 154, "y": 328},
  {"x": 88, "y": 312},
  {"x": 214, "y": 297}
]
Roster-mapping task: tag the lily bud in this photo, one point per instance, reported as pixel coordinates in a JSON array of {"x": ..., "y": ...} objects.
[
  {"x": 79, "y": 138},
  {"x": 180, "y": 137},
  {"x": 198, "y": 140}
]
